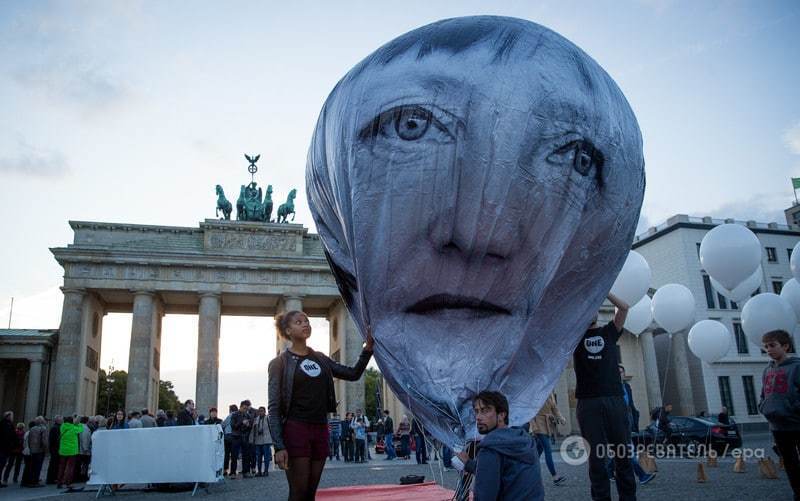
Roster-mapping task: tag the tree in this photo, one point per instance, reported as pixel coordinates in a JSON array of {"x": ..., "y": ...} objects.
[
  {"x": 372, "y": 380},
  {"x": 167, "y": 399},
  {"x": 111, "y": 393}
]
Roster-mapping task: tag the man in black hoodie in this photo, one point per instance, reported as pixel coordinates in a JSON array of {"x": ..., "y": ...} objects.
[{"x": 507, "y": 463}]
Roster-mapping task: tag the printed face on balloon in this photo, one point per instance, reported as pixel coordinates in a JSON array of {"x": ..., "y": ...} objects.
[{"x": 479, "y": 163}]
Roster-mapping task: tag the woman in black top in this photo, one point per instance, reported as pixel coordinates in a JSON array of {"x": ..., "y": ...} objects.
[{"x": 301, "y": 395}]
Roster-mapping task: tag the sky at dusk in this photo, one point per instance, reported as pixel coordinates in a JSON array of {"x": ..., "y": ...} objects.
[{"x": 133, "y": 112}]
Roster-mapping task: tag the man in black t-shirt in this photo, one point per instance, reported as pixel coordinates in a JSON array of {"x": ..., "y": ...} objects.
[{"x": 602, "y": 411}]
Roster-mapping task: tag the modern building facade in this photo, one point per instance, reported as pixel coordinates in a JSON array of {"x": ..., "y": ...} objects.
[{"x": 672, "y": 250}]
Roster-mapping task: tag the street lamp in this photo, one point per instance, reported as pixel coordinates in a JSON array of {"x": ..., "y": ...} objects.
[{"x": 109, "y": 383}]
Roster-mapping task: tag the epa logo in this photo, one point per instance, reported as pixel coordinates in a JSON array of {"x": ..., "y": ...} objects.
[
  {"x": 310, "y": 367},
  {"x": 594, "y": 344}
]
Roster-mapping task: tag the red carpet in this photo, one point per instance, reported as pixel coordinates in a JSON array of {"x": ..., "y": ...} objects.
[{"x": 428, "y": 491}]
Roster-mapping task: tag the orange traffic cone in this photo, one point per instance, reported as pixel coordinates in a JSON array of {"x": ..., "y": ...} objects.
[
  {"x": 712, "y": 461},
  {"x": 701, "y": 473},
  {"x": 738, "y": 466},
  {"x": 767, "y": 468}
]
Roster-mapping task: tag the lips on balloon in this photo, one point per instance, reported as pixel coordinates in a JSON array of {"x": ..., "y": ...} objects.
[{"x": 476, "y": 184}]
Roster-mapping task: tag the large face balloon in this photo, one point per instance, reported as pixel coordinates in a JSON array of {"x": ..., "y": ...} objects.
[{"x": 476, "y": 183}]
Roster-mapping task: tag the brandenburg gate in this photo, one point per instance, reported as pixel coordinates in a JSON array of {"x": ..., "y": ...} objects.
[{"x": 220, "y": 268}]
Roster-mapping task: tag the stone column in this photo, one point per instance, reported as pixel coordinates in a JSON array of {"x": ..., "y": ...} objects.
[
  {"x": 651, "y": 378},
  {"x": 287, "y": 303},
  {"x": 143, "y": 374},
  {"x": 207, "y": 380},
  {"x": 34, "y": 388},
  {"x": 67, "y": 379},
  {"x": 680, "y": 368}
]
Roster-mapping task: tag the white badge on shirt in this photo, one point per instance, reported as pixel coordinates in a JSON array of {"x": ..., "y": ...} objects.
[
  {"x": 594, "y": 344},
  {"x": 310, "y": 367}
]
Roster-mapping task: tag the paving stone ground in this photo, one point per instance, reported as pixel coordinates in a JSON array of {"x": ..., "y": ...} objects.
[{"x": 675, "y": 480}]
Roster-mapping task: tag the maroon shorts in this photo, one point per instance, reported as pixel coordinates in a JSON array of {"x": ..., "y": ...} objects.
[{"x": 306, "y": 440}]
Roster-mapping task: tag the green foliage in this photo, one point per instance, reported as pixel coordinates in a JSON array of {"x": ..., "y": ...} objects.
[
  {"x": 372, "y": 380},
  {"x": 111, "y": 394},
  {"x": 167, "y": 399}
]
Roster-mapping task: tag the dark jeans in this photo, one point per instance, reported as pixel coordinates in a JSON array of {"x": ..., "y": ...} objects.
[
  {"x": 604, "y": 424},
  {"x": 333, "y": 447},
  {"x": 52, "y": 468},
  {"x": 349, "y": 450},
  {"x": 14, "y": 461},
  {"x": 388, "y": 441},
  {"x": 82, "y": 470},
  {"x": 447, "y": 456},
  {"x": 788, "y": 443},
  {"x": 37, "y": 460},
  {"x": 422, "y": 448},
  {"x": 405, "y": 445},
  {"x": 263, "y": 457},
  {"x": 543, "y": 446},
  {"x": 248, "y": 457},
  {"x": 236, "y": 449},
  {"x": 360, "y": 450},
  {"x": 33, "y": 469},
  {"x": 227, "y": 458}
]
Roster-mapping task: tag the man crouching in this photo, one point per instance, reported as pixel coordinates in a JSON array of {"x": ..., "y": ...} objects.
[{"x": 507, "y": 464}]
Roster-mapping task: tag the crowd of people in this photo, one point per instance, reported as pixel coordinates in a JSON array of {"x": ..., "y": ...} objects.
[
  {"x": 302, "y": 427},
  {"x": 67, "y": 441}
]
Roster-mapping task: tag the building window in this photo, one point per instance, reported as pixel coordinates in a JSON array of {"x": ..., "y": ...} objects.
[
  {"x": 725, "y": 394},
  {"x": 698, "y": 250},
  {"x": 750, "y": 395},
  {"x": 723, "y": 304},
  {"x": 734, "y": 306},
  {"x": 91, "y": 358},
  {"x": 709, "y": 292},
  {"x": 741, "y": 339},
  {"x": 777, "y": 286},
  {"x": 789, "y": 254},
  {"x": 772, "y": 256}
]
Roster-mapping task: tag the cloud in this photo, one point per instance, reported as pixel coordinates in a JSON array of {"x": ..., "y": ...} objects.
[
  {"x": 75, "y": 80},
  {"x": 760, "y": 207},
  {"x": 791, "y": 138},
  {"x": 29, "y": 160}
]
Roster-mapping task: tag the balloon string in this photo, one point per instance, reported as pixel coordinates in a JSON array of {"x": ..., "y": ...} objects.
[{"x": 664, "y": 383}]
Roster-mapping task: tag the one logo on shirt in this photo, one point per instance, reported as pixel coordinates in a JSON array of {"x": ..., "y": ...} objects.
[
  {"x": 310, "y": 367},
  {"x": 594, "y": 344}
]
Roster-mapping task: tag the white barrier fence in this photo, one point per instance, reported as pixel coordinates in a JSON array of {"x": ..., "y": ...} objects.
[{"x": 157, "y": 455}]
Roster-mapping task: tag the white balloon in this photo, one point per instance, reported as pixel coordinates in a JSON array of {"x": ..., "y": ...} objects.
[
  {"x": 794, "y": 262},
  {"x": 709, "y": 340},
  {"x": 742, "y": 291},
  {"x": 633, "y": 280},
  {"x": 673, "y": 307},
  {"x": 730, "y": 253},
  {"x": 639, "y": 316},
  {"x": 791, "y": 294},
  {"x": 766, "y": 312}
]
